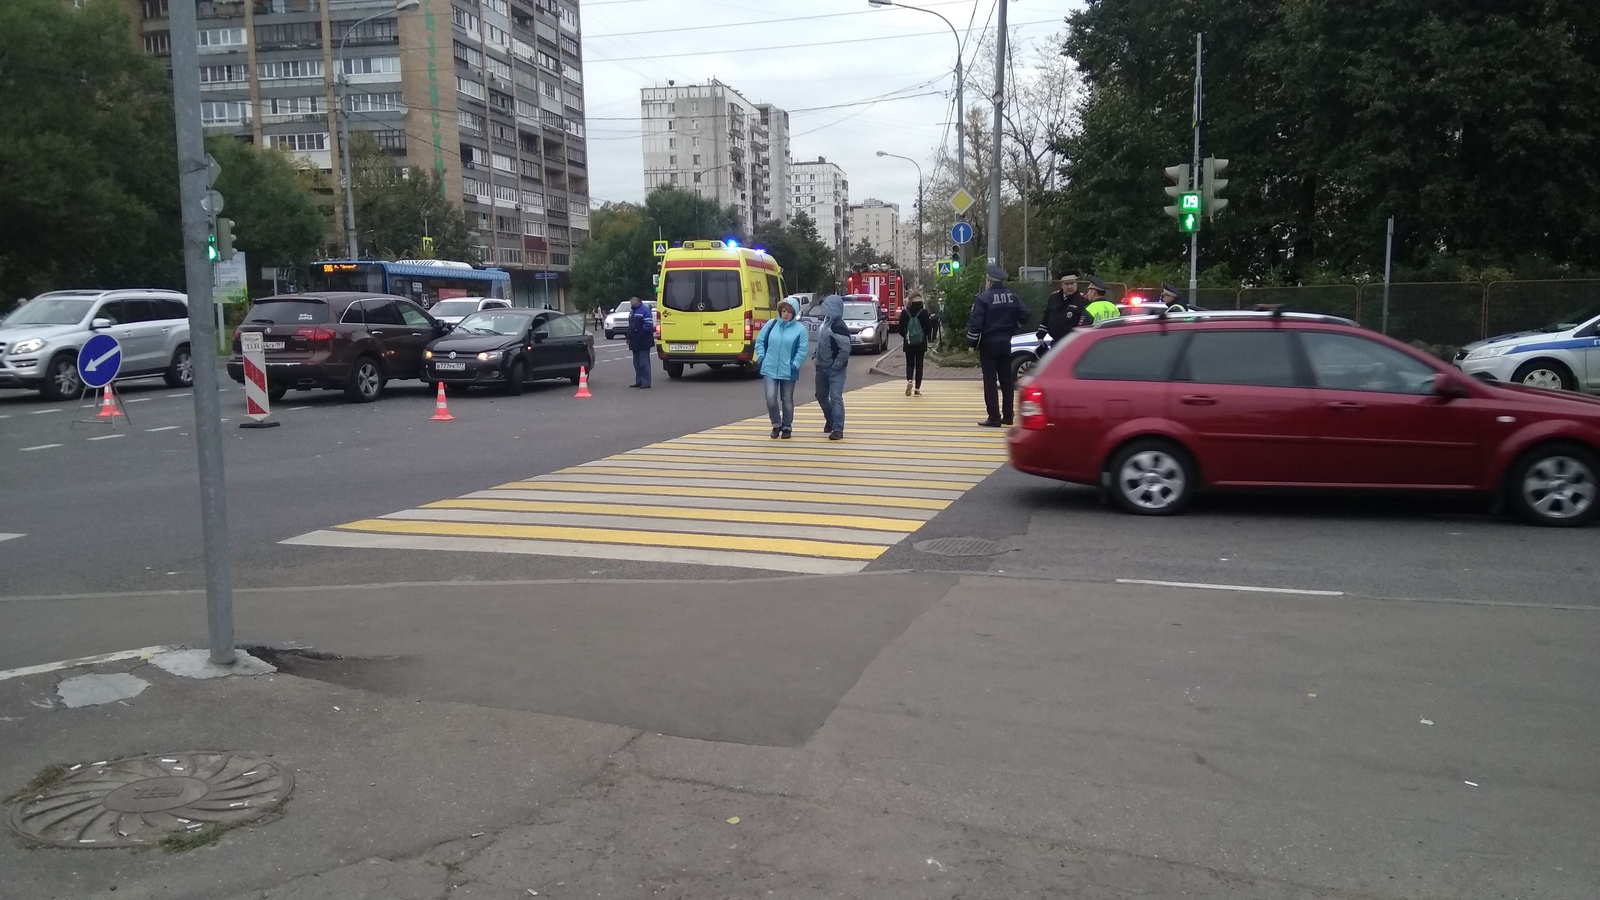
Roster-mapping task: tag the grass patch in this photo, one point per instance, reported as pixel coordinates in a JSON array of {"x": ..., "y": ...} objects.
[
  {"x": 41, "y": 780},
  {"x": 954, "y": 359},
  {"x": 204, "y": 836}
]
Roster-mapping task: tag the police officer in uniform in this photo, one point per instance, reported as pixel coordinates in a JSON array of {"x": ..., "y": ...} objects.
[
  {"x": 1096, "y": 307},
  {"x": 997, "y": 314},
  {"x": 1064, "y": 310}
]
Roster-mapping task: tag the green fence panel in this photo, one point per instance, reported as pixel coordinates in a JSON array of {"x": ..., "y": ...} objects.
[
  {"x": 1513, "y": 306},
  {"x": 1327, "y": 299},
  {"x": 1437, "y": 316}
]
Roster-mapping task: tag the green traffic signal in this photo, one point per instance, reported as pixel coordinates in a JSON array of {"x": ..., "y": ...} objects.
[
  {"x": 955, "y": 265},
  {"x": 1189, "y": 222},
  {"x": 212, "y": 254}
]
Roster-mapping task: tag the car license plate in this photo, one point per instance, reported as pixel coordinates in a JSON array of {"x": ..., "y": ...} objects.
[
  {"x": 681, "y": 348},
  {"x": 272, "y": 345},
  {"x": 450, "y": 366}
]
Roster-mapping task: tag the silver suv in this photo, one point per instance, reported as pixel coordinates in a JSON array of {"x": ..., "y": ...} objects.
[{"x": 39, "y": 340}]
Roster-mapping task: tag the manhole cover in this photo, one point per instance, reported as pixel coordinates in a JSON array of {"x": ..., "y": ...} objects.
[
  {"x": 960, "y": 546},
  {"x": 136, "y": 801}
]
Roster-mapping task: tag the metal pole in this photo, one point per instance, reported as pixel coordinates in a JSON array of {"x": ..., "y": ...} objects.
[
  {"x": 961, "y": 107},
  {"x": 344, "y": 139},
  {"x": 202, "y": 330},
  {"x": 994, "y": 151},
  {"x": 919, "y": 226},
  {"x": 1194, "y": 180},
  {"x": 1388, "y": 269}
]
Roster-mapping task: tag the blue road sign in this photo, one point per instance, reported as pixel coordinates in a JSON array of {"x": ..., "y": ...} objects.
[
  {"x": 100, "y": 360},
  {"x": 961, "y": 232},
  {"x": 546, "y": 276}
]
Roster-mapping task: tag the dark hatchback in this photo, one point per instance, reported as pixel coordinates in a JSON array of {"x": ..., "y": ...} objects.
[
  {"x": 507, "y": 348},
  {"x": 350, "y": 341}
]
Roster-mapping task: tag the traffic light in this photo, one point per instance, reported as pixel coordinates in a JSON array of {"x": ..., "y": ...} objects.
[
  {"x": 955, "y": 257},
  {"x": 1189, "y": 212},
  {"x": 1179, "y": 176},
  {"x": 224, "y": 236},
  {"x": 211, "y": 246},
  {"x": 1213, "y": 168}
]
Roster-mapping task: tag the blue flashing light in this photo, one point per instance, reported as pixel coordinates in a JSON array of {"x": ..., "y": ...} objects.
[{"x": 731, "y": 244}]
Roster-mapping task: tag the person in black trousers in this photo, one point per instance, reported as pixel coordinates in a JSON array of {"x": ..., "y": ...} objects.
[
  {"x": 997, "y": 314},
  {"x": 917, "y": 328}
]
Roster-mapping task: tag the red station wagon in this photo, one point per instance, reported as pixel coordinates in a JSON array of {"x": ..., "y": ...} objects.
[{"x": 1152, "y": 408}]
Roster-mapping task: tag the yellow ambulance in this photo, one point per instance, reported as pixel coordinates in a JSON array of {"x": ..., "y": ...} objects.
[{"x": 712, "y": 299}]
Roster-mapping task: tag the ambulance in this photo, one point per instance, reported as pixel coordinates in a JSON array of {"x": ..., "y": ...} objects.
[{"x": 711, "y": 301}]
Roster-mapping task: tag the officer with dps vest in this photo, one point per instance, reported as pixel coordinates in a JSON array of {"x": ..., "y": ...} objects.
[{"x": 997, "y": 314}]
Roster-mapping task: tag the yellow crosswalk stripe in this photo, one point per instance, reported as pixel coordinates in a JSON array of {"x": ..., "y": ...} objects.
[
  {"x": 740, "y": 494},
  {"x": 870, "y": 523},
  {"x": 724, "y": 472}
]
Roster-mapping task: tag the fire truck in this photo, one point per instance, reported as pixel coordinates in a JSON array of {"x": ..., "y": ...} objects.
[{"x": 881, "y": 282}]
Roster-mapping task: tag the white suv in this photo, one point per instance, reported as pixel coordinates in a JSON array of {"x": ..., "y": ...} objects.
[
  {"x": 1564, "y": 355},
  {"x": 39, "y": 340}
]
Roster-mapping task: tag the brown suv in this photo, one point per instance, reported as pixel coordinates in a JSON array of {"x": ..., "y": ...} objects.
[{"x": 337, "y": 340}]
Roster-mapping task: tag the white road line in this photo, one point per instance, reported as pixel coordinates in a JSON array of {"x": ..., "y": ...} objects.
[
  {"x": 40, "y": 447},
  {"x": 296, "y": 408},
  {"x": 177, "y": 395},
  {"x": 138, "y": 400},
  {"x": 107, "y": 437},
  {"x": 1230, "y": 587},
  {"x": 164, "y": 428},
  {"x": 141, "y": 653},
  {"x": 636, "y": 553},
  {"x": 6, "y": 416},
  {"x": 40, "y": 412},
  {"x": 8, "y": 536}
]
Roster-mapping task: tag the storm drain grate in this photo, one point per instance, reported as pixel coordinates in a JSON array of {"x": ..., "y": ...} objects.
[
  {"x": 138, "y": 801},
  {"x": 960, "y": 546}
]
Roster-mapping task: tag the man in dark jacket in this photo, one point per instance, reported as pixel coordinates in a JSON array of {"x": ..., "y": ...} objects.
[
  {"x": 833, "y": 357},
  {"x": 1063, "y": 311},
  {"x": 997, "y": 314},
  {"x": 641, "y": 338}
]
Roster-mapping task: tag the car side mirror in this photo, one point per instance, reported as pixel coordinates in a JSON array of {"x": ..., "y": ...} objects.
[
  {"x": 101, "y": 324},
  {"x": 1449, "y": 387},
  {"x": 540, "y": 335},
  {"x": 445, "y": 327}
]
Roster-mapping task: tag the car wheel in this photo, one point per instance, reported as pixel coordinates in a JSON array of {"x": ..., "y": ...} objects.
[
  {"x": 1547, "y": 374},
  {"x": 181, "y": 373},
  {"x": 1022, "y": 364},
  {"x": 1556, "y": 485},
  {"x": 1152, "y": 478},
  {"x": 674, "y": 370},
  {"x": 276, "y": 392},
  {"x": 516, "y": 378},
  {"x": 366, "y": 381},
  {"x": 61, "y": 378}
]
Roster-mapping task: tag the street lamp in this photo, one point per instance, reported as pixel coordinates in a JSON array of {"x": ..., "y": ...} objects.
[
  {"x": 961, "y": 109},
  {"x": 919, "y": 207},
  {"x": 344, "y": 125}
]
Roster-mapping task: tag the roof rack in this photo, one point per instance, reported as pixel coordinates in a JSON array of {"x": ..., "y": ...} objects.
[{"x": 1245, "y": 315}]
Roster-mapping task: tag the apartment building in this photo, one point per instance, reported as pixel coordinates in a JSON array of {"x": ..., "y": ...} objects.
[
  {"x": 821, "y": 191},
  {"x": 709, "y": 139},
  {"x": 777, "y": 161},
  {"x": 487, "y": 93},
  {"x": 877, "y": 223}
]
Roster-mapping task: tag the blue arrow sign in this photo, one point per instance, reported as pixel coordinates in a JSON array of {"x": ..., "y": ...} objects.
[
  {"x": 100, "y": 360},
  {"x": 961, "y": 232}
]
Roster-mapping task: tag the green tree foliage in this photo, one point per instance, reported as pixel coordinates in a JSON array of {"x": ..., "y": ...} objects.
[
  {"x": 807, "y": 262},
  {"x": 1475, "y": 125},
  {"x": 956, "y": 293},
  {"x": 88, "y": 170},
  {"x": 863, "y": 254},
  {"x": 617, "y": 261},
  {"x": 277, "y": 219},
  {"x": 397, "y": 207}
]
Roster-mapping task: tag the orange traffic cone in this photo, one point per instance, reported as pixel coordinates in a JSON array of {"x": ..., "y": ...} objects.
[
  {"x": 108, "y": 405},
  {"x": 441, "y": 409},
  {"x": 583, "y": 383}
]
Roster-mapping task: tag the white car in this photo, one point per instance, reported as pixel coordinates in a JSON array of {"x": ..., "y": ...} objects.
[
  {"x": 617, "y": 322},
  {"x": 1564, "y": 355},
  {"x": 39, "y": 340},
  {"x": 453, "y": 310}
]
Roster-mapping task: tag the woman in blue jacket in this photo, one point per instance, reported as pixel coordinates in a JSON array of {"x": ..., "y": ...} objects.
[{"x": 781, "y": 349}]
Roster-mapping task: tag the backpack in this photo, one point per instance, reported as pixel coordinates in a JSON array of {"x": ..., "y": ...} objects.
[{"x": 914, "y": 333}]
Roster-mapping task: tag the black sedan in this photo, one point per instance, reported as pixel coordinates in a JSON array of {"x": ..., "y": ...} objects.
[{"x": 507, "y": 348}]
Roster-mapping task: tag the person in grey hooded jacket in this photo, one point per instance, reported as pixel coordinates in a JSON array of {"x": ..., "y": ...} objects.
[{"x": 832, "y": 356}]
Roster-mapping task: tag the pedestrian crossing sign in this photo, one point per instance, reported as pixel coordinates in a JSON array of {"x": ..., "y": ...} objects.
[
  {"x": 661, "y": 248},
  {"x": 944, "y": 267}
]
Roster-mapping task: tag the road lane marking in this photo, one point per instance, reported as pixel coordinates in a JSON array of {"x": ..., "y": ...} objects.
[
  {"x": 297, "y": 408},
  {"x": 40, "y": 447},
  {"x": 138, "y": 400},
  {"x": 164, "y": 428},
  {"x": 8, "y": 536},
  {"x": 177, "y": 395},
  {"x": 107, "y": 437},
  {"x": 40, "y": 412},
  {"x": 141, "y": 653},
  {"x": 1230, "y": 587},
  {"x": 725, "y": 496}
]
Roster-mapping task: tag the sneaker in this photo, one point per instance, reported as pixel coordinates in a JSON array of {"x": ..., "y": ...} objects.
[
  {"x": 918, "y": 392},
  {"x": 989, "y": 423},
  {"x": 776, "y": 432},
  {"x": 908, "y": 389},
  {"x": 784, "y": 433},
  {"x": 836, "y": 436}
]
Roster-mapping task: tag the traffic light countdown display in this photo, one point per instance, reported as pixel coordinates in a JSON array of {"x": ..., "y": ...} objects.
[{"x": 1195, "y": 200}]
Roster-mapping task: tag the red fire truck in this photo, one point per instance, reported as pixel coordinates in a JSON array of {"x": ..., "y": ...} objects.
[{"x": 883, "y": 283}]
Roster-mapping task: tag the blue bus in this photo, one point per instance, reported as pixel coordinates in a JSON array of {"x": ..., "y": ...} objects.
[{"x": 427, "y": 281}]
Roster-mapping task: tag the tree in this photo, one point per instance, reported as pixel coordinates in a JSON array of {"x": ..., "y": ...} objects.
[
  {"x": 278, "y": 220},
  {"x": 617, "y": 262},
  {"x": 863, "y": 254},
  {"x": 88, "y": 169},
  {"x": 396, "y": 207},
  {"x": 807, "y": 262}
]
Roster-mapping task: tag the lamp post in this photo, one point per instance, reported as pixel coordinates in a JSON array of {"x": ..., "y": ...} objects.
[
  {"x": 919, "y": 208},
  {"x": 961, "y": 112},
  {"x": 344, "y": 125}
]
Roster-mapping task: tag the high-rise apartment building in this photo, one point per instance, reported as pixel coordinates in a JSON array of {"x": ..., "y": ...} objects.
[
  {"x": 777, "y": 161},
  {"x": 709, "y": 139},
  {"x": 488, "y": 94},
  {"x": 877, "y": 223},
  {"x": 820, "y": 190}
]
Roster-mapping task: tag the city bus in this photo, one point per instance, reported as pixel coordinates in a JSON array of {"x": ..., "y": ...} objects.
[{"x": 427, "y": 281}]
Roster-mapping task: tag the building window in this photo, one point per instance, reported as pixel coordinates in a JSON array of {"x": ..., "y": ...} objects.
[
  {"x": 475, "y": 189},
  {"x": 672, "y": 159},
  {"x": 155, "y": 9},
  {"x": 672, "y": 143},
  {"x": 373, "y": 103},
  {"x": 225, "y": 112},
  {"x": 377, "y": 31},
  {"x": 299, "y": 142},
  {"x": 505, "y": 134},
  {"x": 372, "y": 65},
  {"x": 469, "y": 121},
  {"x": 671, "y": 124},
  {"x": 674, "y": 178},
  {"x": 499, "y": 69},
  {"x": 572, "y": 73},
  {"x": 497, "y": 36},
  {"x": 697, "y": 178},
  {"x": 474, "y": 157},
  {"x": 222, "y": 74},
  {"x": 464, "y": 20},
  {"x": 392, "y": 140},
  {"x": 522, "y": 50},
  {"x": 697, "y": 159},
  {"x": 469, "y": 87},
  {"x": 530, "y": 169},
  {"x": 158, "y": 44},
  {"x": 505, "y": 194},
  {"x": 504, "y": 163},
  {"x": 533, "y": 228},
  {"x": 291, "y": 106},
  {"x": 549, "y": 62},
  {"x": 511, "y": 224},
  {"x": 468, "y": 55},
  {"x": 291, "y": 68},
  {"x": 218, "y": 40},
  {"x": 297, "y": 35},
  {"x": 533, "y": 201}
]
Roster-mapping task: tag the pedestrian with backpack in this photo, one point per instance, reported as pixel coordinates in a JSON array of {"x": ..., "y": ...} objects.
[{"x": 917, "y": 328}]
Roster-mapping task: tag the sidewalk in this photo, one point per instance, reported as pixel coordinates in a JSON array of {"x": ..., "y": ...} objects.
[
  {"x": 893, "y": 364},
  {"x": 899, "y": 735}
]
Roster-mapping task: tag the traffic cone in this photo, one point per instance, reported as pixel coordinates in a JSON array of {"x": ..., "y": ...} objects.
[
  {"x": 108, "y": 405},
  {"x": 583, "y": 383},
  {"x": 441, "y": 409}
]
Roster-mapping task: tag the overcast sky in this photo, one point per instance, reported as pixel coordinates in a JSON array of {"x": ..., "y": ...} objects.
[{"x": 821, "y": 53}]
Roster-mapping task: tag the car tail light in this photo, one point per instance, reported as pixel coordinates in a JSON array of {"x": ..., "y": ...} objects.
[
  {"x": 1031, "y": 408},
  {"x": 749, "y": 325},
  {"x": 315, "y": 334},
  {"x": 236, "y": 330}
]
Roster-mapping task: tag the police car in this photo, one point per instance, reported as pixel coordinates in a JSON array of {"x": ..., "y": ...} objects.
[{"x": 1564, "y": 355}]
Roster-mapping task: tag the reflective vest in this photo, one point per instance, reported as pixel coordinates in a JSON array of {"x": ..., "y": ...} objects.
[{"x": 1100, "y": 310}]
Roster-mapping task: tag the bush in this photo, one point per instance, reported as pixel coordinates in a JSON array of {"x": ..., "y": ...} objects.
[{"x": 955, "y": 308}]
